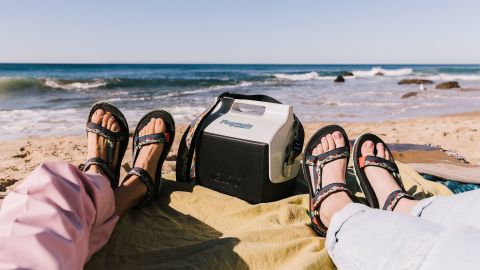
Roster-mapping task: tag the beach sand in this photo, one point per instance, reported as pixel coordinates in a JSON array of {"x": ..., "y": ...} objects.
[{"x": 459, "y": 133}]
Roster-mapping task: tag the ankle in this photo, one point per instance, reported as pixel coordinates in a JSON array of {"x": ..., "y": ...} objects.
[
  {"x": 405, "y": 206},
  {"x": 333, "y": 204},
  {"x": 130, "y": 193},
  {"x": 95, "y": 169}
]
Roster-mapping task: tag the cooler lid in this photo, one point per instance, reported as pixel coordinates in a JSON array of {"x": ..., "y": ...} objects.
[{"x": 238, "y": 118}]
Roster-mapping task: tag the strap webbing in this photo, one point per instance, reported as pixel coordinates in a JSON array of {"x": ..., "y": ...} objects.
[
  {"x": 104, "y": 132},
  {"x": 382, "y": 163},
  {"x": 106, "y": 167},
  {"x": 149, "y": 183},
  {"x": 393, "y": 199}
]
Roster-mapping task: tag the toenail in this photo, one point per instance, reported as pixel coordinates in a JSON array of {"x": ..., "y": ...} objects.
[{"x": 336, "y": 135}]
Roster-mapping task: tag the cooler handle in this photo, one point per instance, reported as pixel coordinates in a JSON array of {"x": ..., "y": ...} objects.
[{"x": 269, "y": 107}]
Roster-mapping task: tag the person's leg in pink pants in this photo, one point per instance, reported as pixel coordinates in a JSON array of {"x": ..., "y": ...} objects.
[{"x": 59, "y": 216}]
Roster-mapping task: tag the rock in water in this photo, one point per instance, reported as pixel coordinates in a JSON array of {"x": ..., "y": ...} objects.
[
  {"x": 447, "y": 85},
  {"x": 347, "y": 74},
  {"x": 409, "y": 94},
  {"x": 415, "y": 81},
  {"x": 339, "y": 79},
  {"x": 379, "y": 73}
]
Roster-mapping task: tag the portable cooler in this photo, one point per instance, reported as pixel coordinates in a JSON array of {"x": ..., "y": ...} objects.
[{"x": 242, "y": 151}]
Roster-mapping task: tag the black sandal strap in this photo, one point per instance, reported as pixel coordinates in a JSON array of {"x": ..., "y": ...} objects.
[
  {"x": 153, "y": 139},
  {"x": 323, "y": 159},
  {"x": 319, "y": 198},
  {"x": 393, "y": 199},
  {"x": 104, "y": 132},
  {"x": 149, "y": 183},
  {"x": 337, "y": 153},
  {"x": 382, "y": 163},
  {"x": 106, "y": 167},
  {"x": 319, "y": 161}
]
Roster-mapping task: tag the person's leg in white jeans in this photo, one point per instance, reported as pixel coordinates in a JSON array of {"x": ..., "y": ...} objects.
[
  {"x": 360, "y": 237},
  {"x": 451, "y": 211}
]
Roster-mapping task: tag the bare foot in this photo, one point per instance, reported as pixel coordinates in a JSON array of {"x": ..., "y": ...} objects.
[
  {"x": 133, "y": 190},
  {"x": 333, "y": 172},
  {"x": 97, "y": 144},
  {"x": 382, "y": 182}
]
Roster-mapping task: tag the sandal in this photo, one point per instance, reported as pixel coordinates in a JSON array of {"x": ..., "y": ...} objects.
[
  {"x": 315, "y": 163},
  {"x": 121, "y": 137},
  {"x": 359, "y": 164},
  {"x": 153, "y": 185}
]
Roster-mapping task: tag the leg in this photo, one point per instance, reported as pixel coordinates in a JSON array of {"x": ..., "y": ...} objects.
[
  {"x": 132, "y": 190},
  {"x": 456, "y": 210},
  {"x": 61, "y": 214},
  {"x": 363, "y": 238},
  {"x": 359, "y": 237},
  {"x": 45, "y": 222},
  {"x": 382, "y": 181}
]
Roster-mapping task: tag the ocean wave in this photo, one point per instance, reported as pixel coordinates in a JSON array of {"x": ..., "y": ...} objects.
[
  {"x": 72, "y": 84},
  {"x": 302, "y": 76},
  {"x": 356, "y": 73},
  {"x": 15, "y": 83},
  {"x": 454, "y": 77},
  {"x": 186, "y": 93},
  {"x": 26, "y": 83},
  {"x": 386, "y": 72}
]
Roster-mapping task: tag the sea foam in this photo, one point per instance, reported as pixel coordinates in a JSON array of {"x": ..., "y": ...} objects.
[
  {"x": 73, "y": 85},
  {"x": 302, "y": 76},
  {"x": 454, "y": 77},
  {"x": 386, "y": 72}
]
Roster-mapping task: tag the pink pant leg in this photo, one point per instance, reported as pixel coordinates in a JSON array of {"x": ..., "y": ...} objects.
[{"x": 56, "y": 219}]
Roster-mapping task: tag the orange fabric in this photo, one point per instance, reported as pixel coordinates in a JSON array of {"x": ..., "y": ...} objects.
[{"x": 361, "y": 161}]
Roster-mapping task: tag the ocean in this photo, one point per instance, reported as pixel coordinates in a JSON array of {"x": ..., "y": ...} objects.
[{"x": 54, "y": 99}]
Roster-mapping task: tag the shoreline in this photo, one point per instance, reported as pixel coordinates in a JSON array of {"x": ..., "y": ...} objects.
[{"x": 457, "y": 132}]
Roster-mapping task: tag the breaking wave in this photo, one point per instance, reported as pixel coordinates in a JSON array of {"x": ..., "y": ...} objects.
[
  {"x": 454, "y": 77},
  {"x": 302, "y": 76},
  {"x": 378, "y": 71},
  {"x": 73, "y": 85}
]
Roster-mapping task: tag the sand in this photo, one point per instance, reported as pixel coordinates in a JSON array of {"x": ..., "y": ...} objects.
[{"x": 459, "y": 133}]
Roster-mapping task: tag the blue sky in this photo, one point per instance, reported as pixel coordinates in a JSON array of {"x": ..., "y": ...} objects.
[{"x": 244, "y": 31}]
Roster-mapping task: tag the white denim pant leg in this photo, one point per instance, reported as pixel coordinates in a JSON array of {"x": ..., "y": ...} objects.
[
  {"x": 451, "y": 211},
  {"x": 360, "y": 237}
]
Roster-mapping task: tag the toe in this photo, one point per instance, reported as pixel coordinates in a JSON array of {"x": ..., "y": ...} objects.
[
  {"x": 159, "y": 125},
  {"x": 151, "y": 126},
  {"x": 115, "y": 127},
  {"x": 331, "y": 142},
  {"x": 97, "y": 116},
  {"x": 324, "y": 144},
  {"x": 105, "y": 119},
  {"x": 380, "y": 150},
  {"x": 110, "y": 122},
  {"x": 367, "y": 148},
  {"x": 315, "y": 151},
  {"x": 387, "y": 154},
  {"x": 338, "y": 138},
  {"x": 319, "y": 149}
]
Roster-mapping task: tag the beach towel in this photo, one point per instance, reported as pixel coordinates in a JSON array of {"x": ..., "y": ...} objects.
[{"x": 198, "y": 228}]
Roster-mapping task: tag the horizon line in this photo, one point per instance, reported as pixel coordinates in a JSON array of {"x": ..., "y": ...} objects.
[{"x": 222, "y": 63}]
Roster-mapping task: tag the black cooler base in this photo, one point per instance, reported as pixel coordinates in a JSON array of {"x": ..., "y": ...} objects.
[{"x": 239, "y": 168}]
